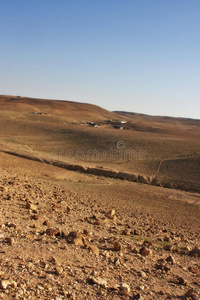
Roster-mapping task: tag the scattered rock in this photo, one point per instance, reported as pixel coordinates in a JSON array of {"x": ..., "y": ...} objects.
[
  {"x": 5, "y": 283},
  {"x": 98, "y": 280},
  {"x": 124, "y": 288},
  {"x": 75, "y": 237},
  {"x": 117, "y": 246},
  {"x": 35, "y": 217},
  {"x": 126, "y": 232},
  {"x": 58, "y": 270},
  {"x": 111, "y": 213},
  {"x": 181, "y": 281},
  {"x": 10, "y": 241},
  {"x": 161, "y": 265},
  {"x": 31, "y": 206},
  {"x": 142, "y": 274},
  {"x": 78, "y": 241},
  {"x": 46, "y": 223},
  {"x": 53, "y": 231},
  {"x": 136, "y": 296},
  {"x": 147, "y": 244},
  {"x": 145, "y": 251},
  {"x": 94, "y": 249}
]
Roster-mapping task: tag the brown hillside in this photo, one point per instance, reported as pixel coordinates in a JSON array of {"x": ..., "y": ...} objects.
[{"x": 72, "y": 110}]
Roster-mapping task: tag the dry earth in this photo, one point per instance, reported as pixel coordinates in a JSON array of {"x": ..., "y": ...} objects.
[
  {"x": 69, "y": 235},
  {"x": 111, "y": 219}
]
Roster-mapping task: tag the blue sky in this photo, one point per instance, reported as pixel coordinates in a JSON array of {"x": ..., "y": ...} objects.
[{"x": 133, "y": 55}]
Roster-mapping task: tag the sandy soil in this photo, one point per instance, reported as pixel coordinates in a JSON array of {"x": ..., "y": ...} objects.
[{"x": 112, "y": 219}]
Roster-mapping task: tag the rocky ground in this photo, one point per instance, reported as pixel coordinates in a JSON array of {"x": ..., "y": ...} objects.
[{"x": 60, "y": 241}]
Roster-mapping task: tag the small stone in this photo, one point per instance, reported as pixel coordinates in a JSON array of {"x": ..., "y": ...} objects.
[
  {"x": 142, "y": 274},
  {"x": 4, "y": 284},
  {"x": 147, "y": 244},
  {"x": 124, "y": 288},
  {"x": 117, "y": 246},
  {"x": 10, "y": 241},
  {"x": 58, "y": 270},
  {"x": 126, "y": 232},
  {"x": 111, "y": 213},
  {"x": 78, "y": 241},
  {"x": 72, "y": 236},
  {"x": 35, "y": 217},
  {"x": 46, "y": 223},
  {"x": 98, "y": 280},
  {"x": 136, "y": 296},
  {"x": 161, "y": 265},
  {"x": 31, "y": 206},
  {"x": 53, "y": 231},
  {"x": 94, "y": 249},
  {"x": 145, "y": 251},
  {"x": 181, "y": 280},
  {"x": 141, "y": 287}
]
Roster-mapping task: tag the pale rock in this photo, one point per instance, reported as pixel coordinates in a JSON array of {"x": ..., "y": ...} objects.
[
  {"x": 98, "y": 280},
  {"x": 78, "y": 241},
  {"x": 111, "y": 213},
  {"x": 94, "y": 249},
  {"x": 74, "y": 235},
  {"x": 5, "y": 283},
  {"x": 31, "y": 206},
  {"x": 124, "y": 287}
]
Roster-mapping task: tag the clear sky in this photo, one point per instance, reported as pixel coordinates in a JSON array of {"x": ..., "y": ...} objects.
[{"x": 134, "y": 55}]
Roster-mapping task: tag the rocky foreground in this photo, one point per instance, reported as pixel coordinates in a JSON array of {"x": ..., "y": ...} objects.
[{"x": 56, "y": 243}]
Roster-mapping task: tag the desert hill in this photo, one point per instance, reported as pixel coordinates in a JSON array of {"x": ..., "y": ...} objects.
[
  {"x": 162, "y": 150},
  {"x": 73, "y": 111},
  {"x": 166, "y": 119}
]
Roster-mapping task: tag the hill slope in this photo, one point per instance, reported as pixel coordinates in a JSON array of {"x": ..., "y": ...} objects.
[{"x": 71, "y": 110}]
